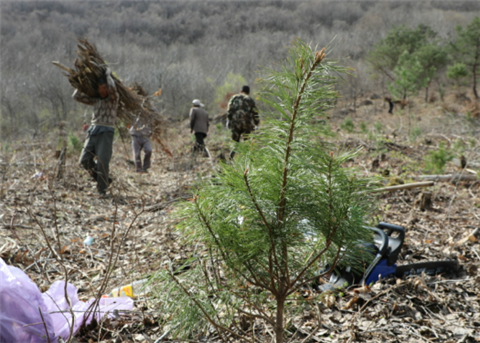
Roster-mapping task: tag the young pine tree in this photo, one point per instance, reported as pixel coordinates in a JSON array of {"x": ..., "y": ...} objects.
[{"x": 268, "y": 219}]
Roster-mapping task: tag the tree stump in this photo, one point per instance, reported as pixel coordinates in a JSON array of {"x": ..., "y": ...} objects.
[{"x": 425, "y": 201}]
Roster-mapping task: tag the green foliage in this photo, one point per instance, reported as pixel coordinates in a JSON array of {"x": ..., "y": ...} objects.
[
  {"x": 233, "y": 83},
  {"x": 466, "y": 49},
  {"x": 385, "y": 56},
  {"x": 378, "y": 126},
  {"x": 410, "y": 76},
  {"x": 436, "y": 161},
  {"x": 363, "y": 127},
  {"x": 348, "y": 125},
  {"x": 74, "y": 144},
  {"x": 270, "y": 216},
  {"x": 457, "y": 72}
]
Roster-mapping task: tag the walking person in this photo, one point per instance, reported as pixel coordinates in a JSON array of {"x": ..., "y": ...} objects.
[
  {"x": 97, "y": 151},
  {"x": 242, "y": 115},
  {"x": 141, "y": 133},
  {"x": 199, "y": 125},
  {"x": 390, "y": 104}
]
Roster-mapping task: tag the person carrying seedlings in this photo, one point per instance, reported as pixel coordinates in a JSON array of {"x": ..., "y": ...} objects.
[
  {"x": 242, "y": 115},
  {"x": 100, "y": 133},
  {"x": 199, "y": 124}
]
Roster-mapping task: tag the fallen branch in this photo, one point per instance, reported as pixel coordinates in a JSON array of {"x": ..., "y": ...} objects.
[
  {"x": 405, "y": 186},
  {"x": 161, "y": 206},
  {"x": 450, "y": 177},
  {"x": 471, "y": 237}
]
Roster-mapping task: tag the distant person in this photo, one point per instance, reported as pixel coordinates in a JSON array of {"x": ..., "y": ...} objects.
[
  {"x": 390, "y": 104},
  {"x": 242, "y": 115},
  {"x": 199, "y": 125},
  {"x": 100, "y": 133},
  {"x": 141, "y": 132}
]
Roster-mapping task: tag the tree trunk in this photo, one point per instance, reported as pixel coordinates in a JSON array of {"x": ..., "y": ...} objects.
[
  {"x": 279, "y": 319},
  {"x": 475, "y": 78}
]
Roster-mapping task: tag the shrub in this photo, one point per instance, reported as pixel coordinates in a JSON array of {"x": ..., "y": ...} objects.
[
  {"x": 348, "y": 125},
  {"x": 363, "y": 127},
  {"x": 74, "y": 144},
  {"x": 436, "y": 161}
]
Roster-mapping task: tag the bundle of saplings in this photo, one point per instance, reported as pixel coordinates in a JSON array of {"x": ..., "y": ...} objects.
[{"x": 89, "y": 66}]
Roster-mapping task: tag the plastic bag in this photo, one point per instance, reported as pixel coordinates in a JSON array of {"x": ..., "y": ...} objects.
[
  {"x": 21, "y": 303},
  {"x": 61, "y": 315}
]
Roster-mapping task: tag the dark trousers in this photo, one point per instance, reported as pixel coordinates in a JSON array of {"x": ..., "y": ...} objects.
[
  {"x": 98, "y": 146},
  {"x": 199, "y": 141},
  {"x": 140, "y": 143},
  {"x": 391, "y": 105}
]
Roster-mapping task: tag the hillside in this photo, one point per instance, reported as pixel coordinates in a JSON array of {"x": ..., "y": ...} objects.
[
  {"x": 54, "y": 226},
  {"x": 139, "y": 222},
  {"x": 189, "y": 48}
]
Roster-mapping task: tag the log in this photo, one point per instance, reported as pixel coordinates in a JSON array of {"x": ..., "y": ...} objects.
[
  {"x": 470, "y": 164},
  {"x": 450, "y": 177},
  {"x": 405, "y": 186}
]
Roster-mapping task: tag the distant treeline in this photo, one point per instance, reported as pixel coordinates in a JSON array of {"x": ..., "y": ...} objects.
[{"x": 189, "y": 49}]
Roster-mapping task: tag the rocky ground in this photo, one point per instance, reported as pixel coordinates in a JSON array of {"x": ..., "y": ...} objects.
[{"x": 134, "y": 231}]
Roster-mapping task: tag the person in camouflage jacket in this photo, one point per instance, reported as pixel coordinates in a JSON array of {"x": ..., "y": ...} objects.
[{"x": 242, "y": 114}]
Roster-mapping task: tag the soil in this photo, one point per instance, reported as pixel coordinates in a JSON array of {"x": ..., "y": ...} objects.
[{"x": 39, "y": 204}]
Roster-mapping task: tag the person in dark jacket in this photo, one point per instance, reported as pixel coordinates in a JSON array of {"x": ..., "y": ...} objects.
[{"x": 199, "y": 125}]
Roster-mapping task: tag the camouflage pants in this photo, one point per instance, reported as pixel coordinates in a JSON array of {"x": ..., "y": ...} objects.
[
  {"x": 240, "y": 127},
  {"x": 236, "y": 135}
]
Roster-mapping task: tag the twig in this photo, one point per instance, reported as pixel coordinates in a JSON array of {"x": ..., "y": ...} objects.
[
  {"x": 13, "y": 228},
  {"x": 44, "y": 325},
  {"x": 8, "y": 227}
]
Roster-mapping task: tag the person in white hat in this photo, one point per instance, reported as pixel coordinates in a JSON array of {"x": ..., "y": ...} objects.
[{"x": 199, "y": 125}]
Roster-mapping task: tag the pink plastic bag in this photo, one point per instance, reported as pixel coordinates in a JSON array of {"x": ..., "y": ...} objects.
[
  {"x": 20, "y": 305},
  {"x": 20, "y": 301},
  {"x": 58, "y": 307}
]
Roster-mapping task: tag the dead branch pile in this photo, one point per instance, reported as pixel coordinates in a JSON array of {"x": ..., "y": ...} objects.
[{"x": 90, "y": 66}]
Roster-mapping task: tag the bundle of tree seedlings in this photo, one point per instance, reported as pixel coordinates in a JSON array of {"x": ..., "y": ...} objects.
[{"x": 90, "y": 66}]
